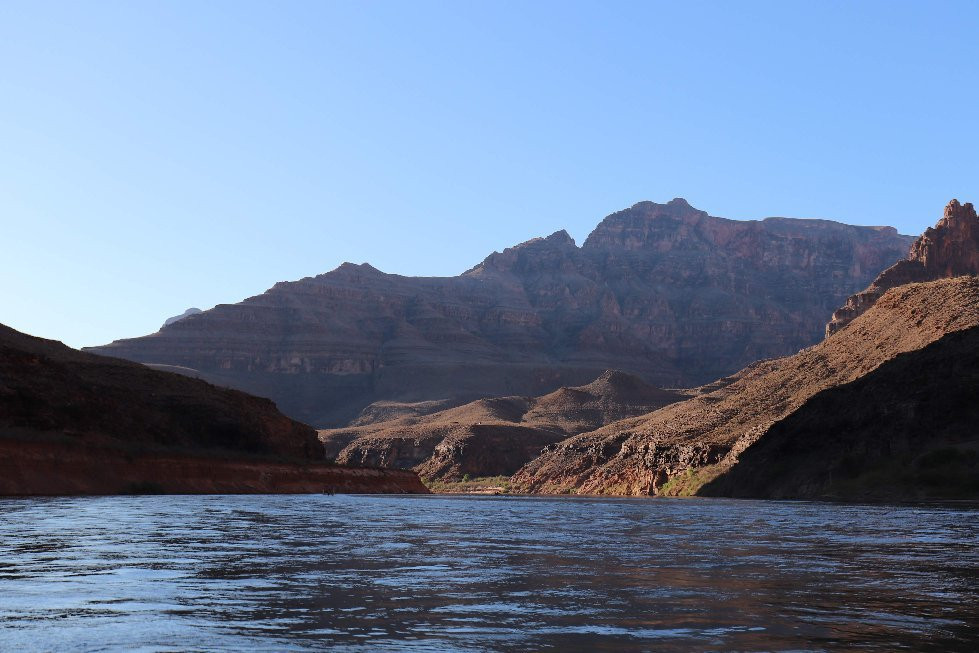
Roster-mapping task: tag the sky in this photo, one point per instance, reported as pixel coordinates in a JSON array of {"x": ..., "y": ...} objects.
[{"x": 161, "y": 155}]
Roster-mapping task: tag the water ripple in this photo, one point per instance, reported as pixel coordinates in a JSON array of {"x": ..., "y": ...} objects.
[{"x": 388, "y": 573}]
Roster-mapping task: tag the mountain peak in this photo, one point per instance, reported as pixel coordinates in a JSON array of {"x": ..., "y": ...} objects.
[
  {"x": 561, "y": 237},
  {"x": 185, "y": 314},
  {"x": 949, "y": 249}
]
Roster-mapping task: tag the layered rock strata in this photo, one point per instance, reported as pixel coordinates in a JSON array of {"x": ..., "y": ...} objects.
[
  {"x": 664, "y": 291},
  {"x": 949, "y": 249},
  {"x": 492, "y": 437},
  {"x": 56, "y": 467},
  {"x": 676, "y": 449}
]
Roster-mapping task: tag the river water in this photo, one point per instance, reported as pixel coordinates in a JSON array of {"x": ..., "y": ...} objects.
[{"x": 379, "y": 573}]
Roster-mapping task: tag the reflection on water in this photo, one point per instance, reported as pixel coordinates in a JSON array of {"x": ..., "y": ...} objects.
[{"x": 484, "y": 573}]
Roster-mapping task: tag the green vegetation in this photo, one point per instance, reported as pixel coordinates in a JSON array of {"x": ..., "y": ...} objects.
[
  {"x": 468, "y": 485},
  {"x": 690, "y": 481}
]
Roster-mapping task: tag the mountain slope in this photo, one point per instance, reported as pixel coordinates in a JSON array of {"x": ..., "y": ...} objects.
[
  {"x": 679, "y": 447},
  {"x": 72, "y": 422},
  {"x": 496, "y": 436},
  {"x": 907, "y": 430},
  {"x": 663, "y": 291}
]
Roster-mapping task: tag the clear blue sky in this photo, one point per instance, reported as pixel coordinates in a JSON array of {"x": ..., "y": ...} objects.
[{"x": 160, "y": 155}]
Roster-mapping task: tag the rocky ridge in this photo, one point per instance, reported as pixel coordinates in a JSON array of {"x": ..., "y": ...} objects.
[
  {"x": 908, "y": 430},
  {"x": 949, "y": 249},
  {"x": 682, "y": 447},
  {"x": 663, "y": 291},
  {"x": 676, "y": 449},
  {"x": 495, "y": 436}
]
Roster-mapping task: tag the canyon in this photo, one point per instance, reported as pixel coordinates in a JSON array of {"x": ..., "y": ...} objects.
[
  {"x": 792, "y": 421},
  {"x": 479, "y": 375},
  {"x": 665, "y": 292}
]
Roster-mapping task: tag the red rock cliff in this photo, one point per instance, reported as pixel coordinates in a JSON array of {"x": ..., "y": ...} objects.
[{"x": 949, "y": 249}]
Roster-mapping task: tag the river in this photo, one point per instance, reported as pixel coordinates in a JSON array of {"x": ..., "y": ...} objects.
[{"x": 437, "y": 573}]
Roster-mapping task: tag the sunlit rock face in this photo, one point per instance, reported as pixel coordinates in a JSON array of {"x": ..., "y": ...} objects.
[
  {"x": 663, "y": 291},
  {"x": 176, "y": 318},
  {"x": 949, "y": 249},
  {"x": 489, "y": 437},
  {"x": 679, "y": 448}
]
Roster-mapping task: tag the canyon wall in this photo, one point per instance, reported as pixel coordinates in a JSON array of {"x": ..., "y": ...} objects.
[
  {"x": 77, "y": 423},
  {"x": 663, "y": 291}
]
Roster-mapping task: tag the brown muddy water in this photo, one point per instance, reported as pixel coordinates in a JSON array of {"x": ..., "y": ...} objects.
[{"x": 386, "y": 573}]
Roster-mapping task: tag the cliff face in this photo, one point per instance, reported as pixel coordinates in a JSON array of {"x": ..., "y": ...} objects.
[
  {"x": 48, "y": 387},
  {"x": 949, "y": 249},
  {"x": 492, "y": 437},
  {"x": 678, "y": 448},
  {"x": 72, "y": 422},
  {"x": 663, "y": 291},
  {"x": 51, "y": 467},
  {"x": 907, "y": 430}
]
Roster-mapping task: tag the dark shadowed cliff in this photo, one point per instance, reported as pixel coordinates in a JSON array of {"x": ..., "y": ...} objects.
[
  {"x": 663, "y": 291},
  {"x": 72, "y": 422},
  {"x": 907, "y": 430}
]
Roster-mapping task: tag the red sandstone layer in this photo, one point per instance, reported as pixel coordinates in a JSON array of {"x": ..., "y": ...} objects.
[{"x": 59, "y": 468}]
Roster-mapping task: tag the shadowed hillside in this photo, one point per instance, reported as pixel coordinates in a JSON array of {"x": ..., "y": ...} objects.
[
  {"x": 72, "y": 422},
  {"x": 907, "y": 430}
]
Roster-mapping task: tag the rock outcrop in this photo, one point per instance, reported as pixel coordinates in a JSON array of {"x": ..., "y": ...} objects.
[
  {"x": 81, "y": 423},
  {"x": 908, "y": 430},
  {"x": 177, "y": 318},
  {"x": 679, "y": 448},
  {"x": 949, "y": 249},
  {"x": 492, "y": 437},
  {"x": 663, "y": 291}
]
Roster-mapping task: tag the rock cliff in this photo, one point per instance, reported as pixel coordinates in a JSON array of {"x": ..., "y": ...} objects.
[
  {"x": 72, "y": 422},
  {"x": 949, "y": 249},
  {"x": 677, "y": 449},
  {"x": 177, "y": 318},
  {"x": 492, "y": 437},
  {"x": 663, "y": 291}
]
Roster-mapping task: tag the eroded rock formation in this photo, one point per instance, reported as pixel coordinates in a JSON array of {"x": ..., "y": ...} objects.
[
  {"x": 492, "y": 437},
  {"x": 949, "y": 249},
  {"x": 664, "y": 291},
  {"x": 678, "y": 448}
]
